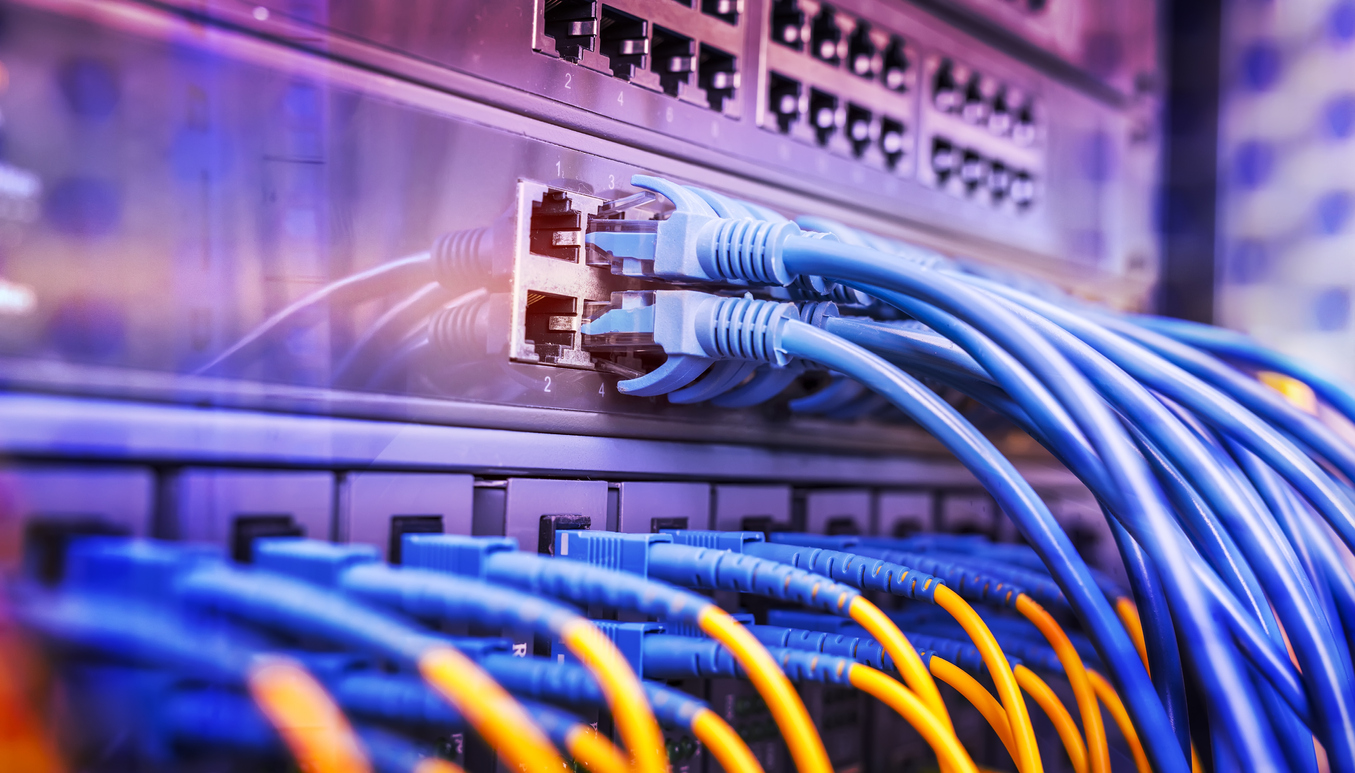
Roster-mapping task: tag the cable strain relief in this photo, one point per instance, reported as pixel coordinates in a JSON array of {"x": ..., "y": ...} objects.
[
  {"x": 815, "y": 312},
  {"x": 467, "y": 256},
  {"x": 461, "y": 329},
  {"x": 744, "y": 329},
  {"x": 744, "y": 249}
]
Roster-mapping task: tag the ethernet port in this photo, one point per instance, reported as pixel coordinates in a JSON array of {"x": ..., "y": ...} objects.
[
  {"x": 857, "y": 129},
  {"x": 825, "y": 37},
  {"x": 1023, "y": 131},
  {"x": 823, "y": 115},
  {"x": 973, "y": 170},
  {"x": 552, "y": 326},
  {"x": 783, "y": 101},
  {"x": 945, "y": 159},
  {"x": 892, "y": 135},
  {"x": 556, "y": 228},
  {"x": 673, "y": 59},
  {"x": 788, "y": 24},
  {"x": 1000, "y": 120},
  {"x": 724, "y": 10},
  {"x": 894, "y": 68},
  {"x": 999, "y": 182},
  {"x": 718, "y": 74},
  {"x": 573, "y": 25},
  {"x": 945, "y": 91},
  {"x": 862, "y": 57},
  {"x": 624, "y": 40},
  {"x": 975, "y": 108},
  {"x": 1022, "y": 190}
]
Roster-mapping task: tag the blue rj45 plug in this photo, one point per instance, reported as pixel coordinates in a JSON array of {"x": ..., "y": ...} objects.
[{"x": 694, "y": 244}]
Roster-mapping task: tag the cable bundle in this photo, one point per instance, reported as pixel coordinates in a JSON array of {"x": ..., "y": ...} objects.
[
  {"x": 1220, "y": 492},
  {"x": 1231, "y": 507}
]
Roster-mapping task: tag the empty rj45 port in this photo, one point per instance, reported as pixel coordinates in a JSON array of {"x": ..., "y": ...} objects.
[
  {"x": 788, "y": 24},
  {"x": 862, "y": 57},
  {"x": 945, "y": 91},
  {"x": 976, "y": 107},
  {"x": 783, "y": 101},
  {"x": 894, "y": 67},
  {"x": 556, "y": 229},
  {"x": 552, "y": 324},
  {"x": 673, "y": 58},
  {"x": 718, "y": 74},
  {"x": 1022, "y": 190},
  {"x": 973, "y": 170},
  {"x": 823, "y": 115},
  {"x": 999, "y": 182},
  {"x": 857, "y": 128},
  {"x": 1000, "y": 120},
  {"x": 892, "y": 136},
  {"x": 624, "y": 40},
  {"x": 825, "y": 37},
  {"x": 945, "y": 159},
  {"x": 573, "y": 24},
  {"x": 1023, "y": 131}
]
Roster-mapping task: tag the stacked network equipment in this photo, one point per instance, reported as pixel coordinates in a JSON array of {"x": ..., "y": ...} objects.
[{"x": 712, "y": 385}]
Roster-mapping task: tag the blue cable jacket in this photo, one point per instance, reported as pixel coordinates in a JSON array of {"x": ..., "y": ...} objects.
[
  {"x": 682, "y": 657},
  {"x": 1066, "y": 441},
  {"x": 1326, "y": 670},
  {"x": 585, "y": 585},
  {"x": 706, "y": 568},
  {"x": 429, "y": 594},
  {"x": 1163, "y": 537},
  {"x": 224, "y": 721},
  {"x": 851, "y": 569},
  {"x": 567, "y": 684},
  {"x": 405, "y": 700},
  {"x": 863, "y": 267},
  {"x": 1235, "y": 345},
  {"x": 1275, "y": 418},
  {"x": 277, "y": 602}
]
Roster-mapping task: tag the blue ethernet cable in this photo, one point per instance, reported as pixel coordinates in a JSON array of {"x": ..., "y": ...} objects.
[
  {"x": 1084, "y": 461},
  {"x": 865, "y": 564},
  {"x": 206, "y": 719},
  {"x": 498, "y": 560},
  {"x": 1331, "y": 579},
  {"x": 892, "y": 380},
  {"x": 774, "y": 256},
  {"x": 357, "y": 571},
  {"x": 1162, "y": 648},
  {"x": 1221, "y": 483},
  {"x": 719, "y": 567},
  {"x": 207, "y": 585},
  {"x": 1240, "y": 347},
  {"x": 1230, "y": 411},
  {"x": 1327, "y": 670},
  {"x": 1305, "y": 429}
]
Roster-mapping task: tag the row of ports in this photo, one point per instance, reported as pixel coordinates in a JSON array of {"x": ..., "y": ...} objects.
[
  {"x": 790, "y": 102},
  {"x": 647, "y": 54},
  {"x": 978, "y": 175},
  {"x": 841, "y": 41},
  {"x": 979, "y": 100}
]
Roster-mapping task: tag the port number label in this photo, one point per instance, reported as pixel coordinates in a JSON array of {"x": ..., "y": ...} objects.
[
  {"x": 602, "y": 389},
  {"x": 547, "y": 383},
  {"x": 569, "y": 78},
  {"x": 620, "y": 97},
  {"x": 611, "y": 182}
]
